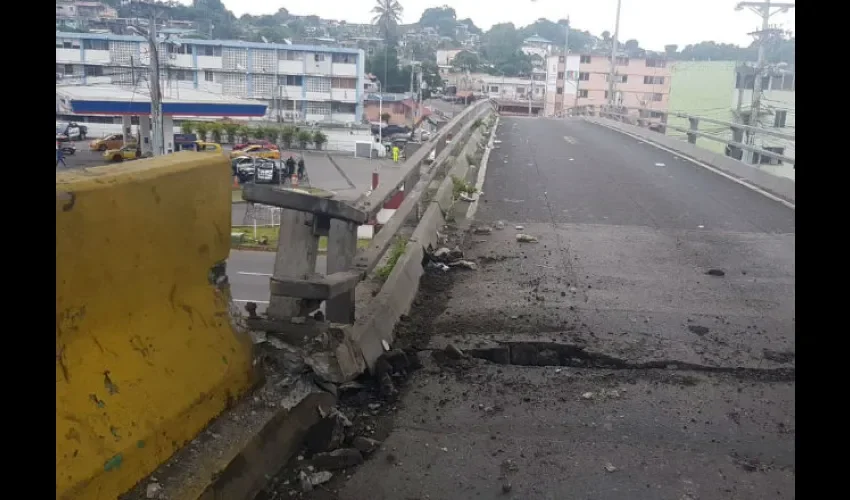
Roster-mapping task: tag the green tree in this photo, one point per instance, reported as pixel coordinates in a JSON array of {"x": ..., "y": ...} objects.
[
  {"x": 467, "y": 61},
  {"x": 387, "y": 15},
  {"x": 231, "y": 130},
  {"x": 443, "y": 19},
  {"x": 385, "y": 117},
  {"x": 319, "y": 139},
  {"x": 304, "y": 138},
  {"x": 242, "y": 133},
  {"x": 187, "y": 127},
  {"x": 215, "y": 130},
  {"x": 201, "y": 128},
  {"x": 272, "y": 134},
  {"x": 258, "y": 132},
  {"x": 287, "y": 135},
  {"x": 671, "y": 49}
]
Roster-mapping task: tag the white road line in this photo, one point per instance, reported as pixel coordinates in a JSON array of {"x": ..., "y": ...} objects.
[
  {"x": 569, "y": 139},
  {"x": 257, "y": 301},
  {"x": 717, "y": 171},
  {"x": 253, "y": 274},
  {"x": 482, "y": 172}
]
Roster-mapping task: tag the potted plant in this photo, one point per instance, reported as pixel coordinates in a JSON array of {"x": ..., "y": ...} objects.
[
  {"x": 319, "y": 139},
  {"x": 187, "y": 126},
  {"x": 231, "y": 129},
  {"x": 215, "y": 130},
  {"x": 304, "y": 138},
  {"x": 287, "y": 135},
  {"x": 201, "y": 128}
]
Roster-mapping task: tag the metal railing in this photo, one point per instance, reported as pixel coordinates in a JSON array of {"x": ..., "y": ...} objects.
[{"x": 644, "y": 118}]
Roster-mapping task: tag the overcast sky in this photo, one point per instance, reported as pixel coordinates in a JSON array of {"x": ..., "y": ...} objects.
[{"x": 654, "y": 23}]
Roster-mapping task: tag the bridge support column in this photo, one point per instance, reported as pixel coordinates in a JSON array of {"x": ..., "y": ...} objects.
[
  {"x": 127, "y": 128},
  {"x": 145, "y": 134}
]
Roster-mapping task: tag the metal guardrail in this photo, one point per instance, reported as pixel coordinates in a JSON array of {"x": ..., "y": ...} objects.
[{"x": 643, "y": 119}]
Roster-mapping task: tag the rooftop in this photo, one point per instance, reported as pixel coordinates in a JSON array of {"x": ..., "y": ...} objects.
[
  {"x": 536, "y": 39},
  {"x": 196, "y": 41}
]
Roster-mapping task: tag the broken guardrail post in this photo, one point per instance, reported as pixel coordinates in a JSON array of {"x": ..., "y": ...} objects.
[{"x": 296, "y": 289}]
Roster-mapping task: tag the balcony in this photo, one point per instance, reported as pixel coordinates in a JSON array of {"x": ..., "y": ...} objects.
[
  {"x": 68, "y": 55},
  {"x": 344, "y": 95},
  {"x": 290, "y": 67},
  {"x": 341, "y": 69},
  {"x": 209, "y": 62},
  {"x": 318, "y": 96},
  {"x": 181, "y": 60},
  {"x": 318, "y": 67},
  {"x": 98, "y": 57}
]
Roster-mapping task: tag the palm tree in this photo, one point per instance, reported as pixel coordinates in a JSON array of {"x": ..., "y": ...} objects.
[{"x": 387, "y": 15}]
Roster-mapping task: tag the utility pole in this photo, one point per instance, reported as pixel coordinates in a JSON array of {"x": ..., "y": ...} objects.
[
  {"x": 158, "y": 139},
  {"x": 765, "y": 10},
  {"x": 613, "y": 58},
  {"x": 566, "y": 53}
]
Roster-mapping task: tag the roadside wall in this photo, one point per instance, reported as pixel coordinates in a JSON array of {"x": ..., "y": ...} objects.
[{"x": 145, "y": 352}]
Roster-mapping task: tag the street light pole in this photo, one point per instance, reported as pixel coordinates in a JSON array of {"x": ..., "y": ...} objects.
[{"x": 158, "y": 139}]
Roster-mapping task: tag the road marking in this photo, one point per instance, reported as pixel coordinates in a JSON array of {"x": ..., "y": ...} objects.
[
  {"x": 717, "y": 171},
  {"x": 569, "y": 139},
  {"x": 257, "y": 301},
  {"x": 482, "y": 172},
  {"x": 253, "y": 274},
  {"x": 659, "y": 164}
]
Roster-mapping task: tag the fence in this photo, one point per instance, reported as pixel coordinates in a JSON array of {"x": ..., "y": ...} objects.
[{"x": 647, "y": 118}]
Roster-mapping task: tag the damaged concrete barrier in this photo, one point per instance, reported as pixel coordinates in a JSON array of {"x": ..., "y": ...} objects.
[{"x": 146, "y": 355}]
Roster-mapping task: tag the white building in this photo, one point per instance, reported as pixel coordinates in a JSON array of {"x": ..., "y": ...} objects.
[
  {"x": 536, "y": 46},
  {"x": 512, "y": 88},
  {"x": 561, "y": 83},
  {"x": 777, "y": 107},
  {"x": 311, "y": 83}
]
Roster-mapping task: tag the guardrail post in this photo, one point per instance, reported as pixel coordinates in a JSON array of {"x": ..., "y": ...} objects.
[
  {"x": 694, "y": 126},
  {"x": 297, "y": 250},
  {"x": 342, "y": 245}
]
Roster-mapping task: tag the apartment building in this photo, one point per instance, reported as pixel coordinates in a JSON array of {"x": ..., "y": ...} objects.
[
  {"x": 308, "y": 83},
  {"x": 776, "y": 107},
  {"x": 561, "y": 84},
  {"x": 638, "y": 82}
]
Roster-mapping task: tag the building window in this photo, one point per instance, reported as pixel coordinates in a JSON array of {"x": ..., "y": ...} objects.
[
  {"x": 209, "y": 51},
  {"x": 653, "y": 80},
  {"x": 572, "y": 75},
  {"x": 656, "y": 63},
  {"x": 583, "y": 77},
  {"x": 559, "y": 90},
  {"x": 343, "y": 107},
  {"x": 789, "y": 82},
  {"x": 560, "y": 75},
  {"x": 94, "y": 70},
  {"x": 179, "y": 49},
  {"x": 560, "y": 59},
  {"x": 208, "y": 76},
  {"x": 318, "y": 57},
  {"x": 622, "y": 61},
  {"x": 656, "y": 114},
  {"x": 582, "y": 93},
  {"x": 69, "y": 69},
  {"x": 68, "y": 44},
  {"x": 95, "y": 45},
  {"x": 290, "y": 55},
  {"x": 657, "y": 97},
  {"x": 318, "y": 108},
  {"x": 779, "y": 118},
  {"x": 318, "y": 84},
  {"x": 343, "y": 58},
  {"x": 292, "y": 80},
  {"x": 344, "y": 83},
  {"x": 584, "y": 60}
]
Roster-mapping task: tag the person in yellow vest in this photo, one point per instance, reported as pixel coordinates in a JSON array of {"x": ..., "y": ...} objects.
[{"x": 395, "y": 154}]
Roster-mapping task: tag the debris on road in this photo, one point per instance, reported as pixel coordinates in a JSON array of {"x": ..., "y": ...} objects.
[
  {"x": 610, "y": 467},
  {"x": 519, "y": 228},
  {"x": 463, "y": 196},
  {"x": 482, "y": 230},
  {"x": 716, "y": 272},
  {"x": 320, "y": 477},
  {"x": 500, "y": 224},
  {"x": 525, "y": 238},
  {"x": 444, "y": 259},
  {"x": 342, "y": 458},
  {"x": 587, "y": 395},
  {"x": 153, "y": 490},
  {"x": 466, "y": 264},
  {"x": 454, "y": 352},
  {"x": 365, "y": 445},
  {"x": 698, "y": 330}
]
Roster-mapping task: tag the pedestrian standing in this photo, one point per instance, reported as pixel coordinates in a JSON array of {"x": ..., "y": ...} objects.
[
  {"x": 395, "y": 154},
  {"x": 60, "y": 156}
]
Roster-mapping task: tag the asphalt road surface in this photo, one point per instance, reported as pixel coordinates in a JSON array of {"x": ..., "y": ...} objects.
[
  {"x": 249, "y": 273},
  {"x": 666, "y": 293}
]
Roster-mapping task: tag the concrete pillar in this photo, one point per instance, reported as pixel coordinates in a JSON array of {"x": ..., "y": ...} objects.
[
  {"x": 145, "y": 134},
  {"x": 168, "y": 133},
  {"x": 127, "y": 129}
]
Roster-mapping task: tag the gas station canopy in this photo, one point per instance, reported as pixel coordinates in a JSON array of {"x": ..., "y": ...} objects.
[{"x": 112, "y": 100}]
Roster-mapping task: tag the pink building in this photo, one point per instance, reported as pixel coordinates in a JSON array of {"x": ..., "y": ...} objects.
[{"x": 638, "y": 82}]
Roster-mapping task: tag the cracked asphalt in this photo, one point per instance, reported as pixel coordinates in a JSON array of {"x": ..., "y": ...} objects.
[{"x": 670, "y": 292}]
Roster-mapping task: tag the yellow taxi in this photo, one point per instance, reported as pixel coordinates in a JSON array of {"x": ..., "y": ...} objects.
[
  {"x": 114, "y": 141},
  {"x": 209, "y": 147},
  {"x": 258, "y": 151},
  {"x": 126, "y": 153}
]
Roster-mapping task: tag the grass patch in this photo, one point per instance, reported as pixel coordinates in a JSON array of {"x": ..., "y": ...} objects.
[
  {"x": 271, "y": 234},
  {"x": 461, "y": 186},
  {"x": 396, "y": 252}
]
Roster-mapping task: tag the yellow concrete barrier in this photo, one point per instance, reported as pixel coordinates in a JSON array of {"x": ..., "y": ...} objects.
[{"x": 145, "y": 352}]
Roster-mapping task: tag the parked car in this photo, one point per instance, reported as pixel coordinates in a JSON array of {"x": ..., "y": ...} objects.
[
  {"x": 244, "y": 167},
  {"x": 268, "y": 171},
  {"x": 208, "y": 147},
  {"x": 125, "y": 153},
  {"x": 114, "y": 141},
  {"x": 258, "y": 151},
  {"x": 266, "y": 144},
  {"x": 72, "y": 131}
]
